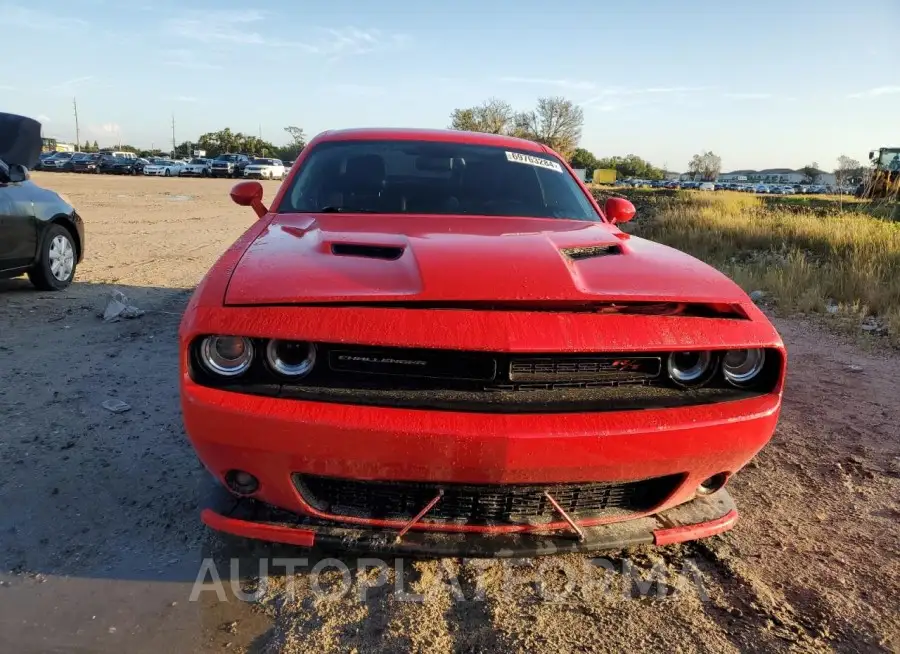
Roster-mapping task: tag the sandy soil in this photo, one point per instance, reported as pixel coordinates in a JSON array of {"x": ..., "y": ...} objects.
[{"x": 100, "y": 542}]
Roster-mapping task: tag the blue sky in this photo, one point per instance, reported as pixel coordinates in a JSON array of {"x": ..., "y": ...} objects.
[{"x": 762, "y": 83}]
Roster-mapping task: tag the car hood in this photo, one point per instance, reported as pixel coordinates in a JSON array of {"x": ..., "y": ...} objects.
[{"x": 328, "y": 258}]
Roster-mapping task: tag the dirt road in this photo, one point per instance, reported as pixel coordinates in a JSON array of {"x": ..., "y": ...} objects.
[{"x": 100, "y": 543}]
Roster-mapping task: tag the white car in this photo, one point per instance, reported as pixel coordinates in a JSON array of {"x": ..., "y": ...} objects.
[
  {"x": 164, "y": 168},
  {"x": 707, "y": 186},
  {"x": 197, "y": 167},
  {"x": 265, "y": 169}
]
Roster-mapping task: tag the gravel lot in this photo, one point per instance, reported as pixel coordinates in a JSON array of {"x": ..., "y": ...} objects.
[{"x": 100, "y": 541}]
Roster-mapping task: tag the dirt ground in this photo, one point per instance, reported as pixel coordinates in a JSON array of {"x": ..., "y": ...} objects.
[{"x": 100, "y": 542}]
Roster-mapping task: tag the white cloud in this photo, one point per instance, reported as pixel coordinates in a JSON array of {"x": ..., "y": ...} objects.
[
  {"x": 43, "y": 118},
  {"x": 578, "y": 85},
  {"x": 354, "y": 41},
  {"x": 748, "y": 96},
  {"x": 358, "y": 90},
  {"x": 249, "y": 27},
  {"x": 877, "y": 91},
  {"x": 188, "y": 59},
  {"x": 18, "y": 16},
  {"x": 105, "y": 129},
  {"x": 71, "y": 83},
  {"x": 228, "y": 26},
  {"x": 619, "y": 92}
]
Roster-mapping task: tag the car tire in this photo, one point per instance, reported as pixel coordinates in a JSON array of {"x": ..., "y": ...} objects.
[{"x": 58, "y": 259}]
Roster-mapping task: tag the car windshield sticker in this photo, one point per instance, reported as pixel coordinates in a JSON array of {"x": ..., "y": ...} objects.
[{"x": 531, "y": 160}]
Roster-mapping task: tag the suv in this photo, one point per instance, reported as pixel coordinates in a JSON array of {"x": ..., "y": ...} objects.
[{"x": 229, "y": 165}]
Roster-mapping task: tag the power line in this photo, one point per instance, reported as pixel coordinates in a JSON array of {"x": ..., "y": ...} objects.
[
  {"x": 77, "y": 133},
  {"x": 173, "y": 135}
]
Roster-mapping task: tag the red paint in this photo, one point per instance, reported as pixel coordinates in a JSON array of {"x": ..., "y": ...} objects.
[
  {"x": 306, "y": 537},
  {"x": 288, "y": 259},
  {"x": 693, "y": 532},
  {"x": 249, "y": 194},
  {"x": 472, "y": 258},
  {"x": 258, "y": 530},
  {"x": 619, "y": 210}
]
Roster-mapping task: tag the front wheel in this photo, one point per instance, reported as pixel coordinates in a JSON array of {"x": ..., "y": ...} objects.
[{"x": 55, "y": 269}]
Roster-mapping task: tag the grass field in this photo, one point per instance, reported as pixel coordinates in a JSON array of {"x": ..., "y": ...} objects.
[{"x": 804, "y": 257}]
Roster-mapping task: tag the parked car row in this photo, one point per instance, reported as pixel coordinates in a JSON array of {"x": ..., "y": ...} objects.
[
  {"x": 771, "y": 189},
  {"x": 127, "y": 163}
]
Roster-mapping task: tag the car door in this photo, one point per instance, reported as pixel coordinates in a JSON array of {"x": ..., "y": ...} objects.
[{"x": 18, "y": 231}]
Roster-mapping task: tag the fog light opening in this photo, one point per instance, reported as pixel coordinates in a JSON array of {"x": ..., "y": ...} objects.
[
  {"x": 241, "y": 482},
  {"x": 712, "y": 484}
]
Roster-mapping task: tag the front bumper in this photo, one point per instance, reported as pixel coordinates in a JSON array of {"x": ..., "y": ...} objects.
[
  {"x": 703, "y": 517},
  {"x": 274, "y": 438},
  {"x": 220, "y": 172}
]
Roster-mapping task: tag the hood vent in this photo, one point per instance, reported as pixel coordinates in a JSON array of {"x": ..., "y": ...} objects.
[
  {"x": 386, "y": 252},
  {"x": 591, "y": 251}
]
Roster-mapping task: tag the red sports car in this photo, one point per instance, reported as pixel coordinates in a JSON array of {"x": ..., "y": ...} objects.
[{"x": 437, "y": 342}]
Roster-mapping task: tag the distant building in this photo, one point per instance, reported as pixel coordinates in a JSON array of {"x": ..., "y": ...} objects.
[{"x": 774, "y": 176}]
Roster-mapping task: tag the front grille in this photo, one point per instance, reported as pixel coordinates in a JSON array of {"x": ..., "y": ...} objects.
[
  {"x": 464, "y": 504},
  {"x": 576, "y": 369},
  {"x": 485, "y": 382}
]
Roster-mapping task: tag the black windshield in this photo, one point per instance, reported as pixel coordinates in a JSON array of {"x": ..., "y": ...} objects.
[{"x": 430, "y": 177}]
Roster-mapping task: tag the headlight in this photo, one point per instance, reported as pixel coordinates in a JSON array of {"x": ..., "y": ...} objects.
[
  {"x": 741, "y": 367},
  {"x": 690, "y": 368},
  {"x": 291, "y": 358},
  {"x": 228, "y": 356}
]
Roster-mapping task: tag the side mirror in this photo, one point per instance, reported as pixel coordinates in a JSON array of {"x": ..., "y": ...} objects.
[
  {"x": 619, "y": 210},
  {"x": 249, "y": 194},
  {"x": 18, "y": 173},
  {"x": 872, "y": 154}
]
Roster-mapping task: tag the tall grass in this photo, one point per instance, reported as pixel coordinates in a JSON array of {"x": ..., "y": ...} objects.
[{"x": 803, "y": 261}]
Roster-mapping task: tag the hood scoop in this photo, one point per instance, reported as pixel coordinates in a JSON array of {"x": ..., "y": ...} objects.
[
  {"x": 367, "y": 251},
  {"x": 591, "y": 251}
]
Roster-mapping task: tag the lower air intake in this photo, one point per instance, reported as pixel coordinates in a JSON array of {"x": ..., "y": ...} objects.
[{"x": 481, "y": 504}]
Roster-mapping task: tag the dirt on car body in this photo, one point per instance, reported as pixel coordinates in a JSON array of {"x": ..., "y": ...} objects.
[{"x": 101, "y": 544}]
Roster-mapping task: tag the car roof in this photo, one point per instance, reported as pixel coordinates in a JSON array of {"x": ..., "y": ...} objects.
[{"x": 440, "y": 135}]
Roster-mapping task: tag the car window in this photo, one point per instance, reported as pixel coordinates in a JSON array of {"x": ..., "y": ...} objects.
[{"x": 435, "y": 178}]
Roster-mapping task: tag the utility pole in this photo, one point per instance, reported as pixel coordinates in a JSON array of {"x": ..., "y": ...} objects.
[
  {"x": 173, "y": 135},
  {"x": 77, "y": 133}
]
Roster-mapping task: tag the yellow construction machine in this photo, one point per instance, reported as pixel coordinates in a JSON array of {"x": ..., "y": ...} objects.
[{"x": 883, "y": 181}]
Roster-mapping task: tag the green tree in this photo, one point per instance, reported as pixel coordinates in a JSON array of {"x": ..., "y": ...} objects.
[
  {"x": 95, "y": 147},
  {"x": 632, "y": 165},
  {"x": 556, "y": 122},
  {"x": 706, "y": 166},
  {"x": 811, "y": 172},
  {"x": 493, "y": 116},
  {"x": 582, "y": 158},
  {"x": 848, "y": 171}
]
